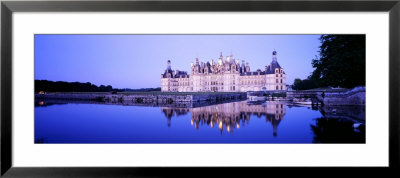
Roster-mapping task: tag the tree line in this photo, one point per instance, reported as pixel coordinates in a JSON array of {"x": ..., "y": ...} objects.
[
  {"x": 62, "y": 86},
  {"x": 341, "y": 63}
]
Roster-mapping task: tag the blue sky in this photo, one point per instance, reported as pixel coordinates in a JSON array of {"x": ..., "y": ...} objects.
[{"x": 137, "y": 61}]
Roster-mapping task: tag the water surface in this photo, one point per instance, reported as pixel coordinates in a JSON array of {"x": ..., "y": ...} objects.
[{"x": 235, "y": 122}]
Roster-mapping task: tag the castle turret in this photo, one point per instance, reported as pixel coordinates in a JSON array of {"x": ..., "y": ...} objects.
[
  {"x": 220, "y": 59},
  {"x": 243, "y": 67},
  {"x": 168, "y": 65},
  {"x": 247, "y": 67}
]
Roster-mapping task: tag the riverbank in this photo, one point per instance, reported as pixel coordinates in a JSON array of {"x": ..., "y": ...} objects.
[
  {"x": 329, "y": 97},
  {"x": 147, "y": 97},
  {"x": 343, "y": 97}
]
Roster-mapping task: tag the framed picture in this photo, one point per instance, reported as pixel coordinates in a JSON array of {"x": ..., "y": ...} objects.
[{"x": 136, "y": 88}]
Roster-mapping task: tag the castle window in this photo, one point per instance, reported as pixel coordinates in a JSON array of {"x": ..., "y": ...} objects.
[
  {"x": 276, "y": 87},
  {"x": 276, "y": 80},
  {"x": 281, "y": 80},
  {"x": 281, "y": 88},
  {"x": 276, "y": 75}
]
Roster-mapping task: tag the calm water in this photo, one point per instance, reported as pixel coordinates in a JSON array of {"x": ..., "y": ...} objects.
[{"x": 235, "y": 122}]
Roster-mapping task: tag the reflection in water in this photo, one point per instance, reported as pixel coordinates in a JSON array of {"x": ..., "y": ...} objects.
[
  {"x": 230, "y": 116},
  {"x": 340, "y": 124},
  {"x": 234, "y": 122},
  {"x": 335, "y": 130},
  {"x": 169, "y": 113}
]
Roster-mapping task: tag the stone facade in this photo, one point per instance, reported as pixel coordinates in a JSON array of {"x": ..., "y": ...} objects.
[{"x": 225, "y": 75}]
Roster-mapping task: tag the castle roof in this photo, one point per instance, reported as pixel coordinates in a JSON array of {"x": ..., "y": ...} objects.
[
  {"x": 167, "y": 71},
  {"x": 181, "y": 74},
  {"x": 271, "y": 68}
]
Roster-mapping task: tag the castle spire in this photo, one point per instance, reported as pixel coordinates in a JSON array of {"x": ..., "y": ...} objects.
[
  {"x": 169, "y": 65},
  {"x": 274, "y": 55}
]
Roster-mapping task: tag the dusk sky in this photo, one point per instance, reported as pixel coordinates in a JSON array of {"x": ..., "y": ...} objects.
[{"x": 137, "y": 61}]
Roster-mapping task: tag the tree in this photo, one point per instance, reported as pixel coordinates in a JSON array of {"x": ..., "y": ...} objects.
[
  {"x": 61, "y": 86},
  {"x": 305, "y": 84},
  {"x": 341, "y": 62}
]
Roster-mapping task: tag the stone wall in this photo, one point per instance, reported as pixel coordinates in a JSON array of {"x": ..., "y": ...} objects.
[
  {"x": 355, "y": 96},
  {"x": 72, "y": 96},
  {"x": 147, "y": 97}
]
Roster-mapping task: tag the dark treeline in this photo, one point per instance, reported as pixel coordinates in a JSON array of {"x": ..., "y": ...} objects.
[
  {"x": 143, "y": 89},
  {"x": 305, "y": 84},
  {"x": 61, "y": 86},
  {"x": 341, "y": 63}
]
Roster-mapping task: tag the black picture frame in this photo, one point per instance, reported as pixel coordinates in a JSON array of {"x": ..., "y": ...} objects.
[{"x": 8, "y": 7}]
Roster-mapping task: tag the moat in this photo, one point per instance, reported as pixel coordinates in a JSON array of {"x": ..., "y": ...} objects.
[{"x": 61, "y": 121}]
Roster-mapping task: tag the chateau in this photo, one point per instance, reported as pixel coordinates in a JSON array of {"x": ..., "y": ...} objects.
[{"x": 225, "y": 75}]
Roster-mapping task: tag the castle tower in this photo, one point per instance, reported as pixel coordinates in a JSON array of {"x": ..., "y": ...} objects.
[
  {"x": 274, "y": 56},
  {"x": 243, "y": 67},
  {"x": 247, "y": 67},
  {"x": 220, "y": 59},
  {"x": 168, "y": 65}
]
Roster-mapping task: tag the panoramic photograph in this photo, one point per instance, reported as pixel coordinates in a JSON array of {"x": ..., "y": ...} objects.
[{"x": 199, "y": 89}]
